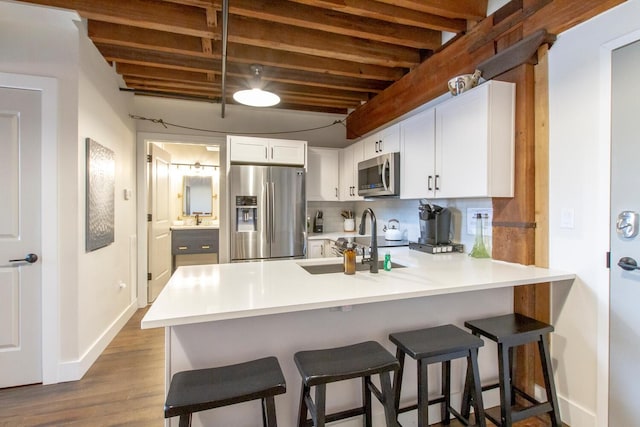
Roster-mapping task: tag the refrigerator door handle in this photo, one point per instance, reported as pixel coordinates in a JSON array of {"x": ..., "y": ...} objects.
[
  {"x": 267, "y": 211},
  {"x": 272, "y": 213}
]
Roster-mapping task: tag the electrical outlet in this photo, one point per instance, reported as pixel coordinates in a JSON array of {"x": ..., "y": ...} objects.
[{"x": 487, "y": 218}]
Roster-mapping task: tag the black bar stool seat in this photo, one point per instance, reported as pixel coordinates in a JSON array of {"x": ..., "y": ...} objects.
[
  {"x": 510, "y": 331},
  {"x": 321, "y": 367},
  {"x": 440, "y": 344},
  {"x": 202, "y": 389}
]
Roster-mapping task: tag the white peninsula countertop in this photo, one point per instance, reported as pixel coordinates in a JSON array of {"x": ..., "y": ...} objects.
[
  {"x": 205, "y": 293},
  {"x": 220, "y": 314}
]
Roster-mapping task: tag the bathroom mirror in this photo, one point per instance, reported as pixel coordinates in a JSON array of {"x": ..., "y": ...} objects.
[{"x": 197, "y": 195}]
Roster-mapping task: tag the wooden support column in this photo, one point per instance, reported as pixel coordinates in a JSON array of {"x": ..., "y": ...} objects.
[
  {"x": 514, "y": 219},
  {"x": 520, "y": 224}
]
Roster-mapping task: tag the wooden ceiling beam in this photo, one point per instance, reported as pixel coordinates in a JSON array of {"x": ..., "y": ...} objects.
[
  {"x": 319, "y": 43},
  {"x": 429, "y": 79},
  {"x": 390, "y": 13},
  {"x": 105, "y": 33},
  {"x": 161, "y": 41},
  {"x": 300, "y": 15},
  {"x": 206, "y": 65},
  {"x": 152, "y": 14},
  {"x": 245, "y": 54},
  {"x": 471, "y": 10}
]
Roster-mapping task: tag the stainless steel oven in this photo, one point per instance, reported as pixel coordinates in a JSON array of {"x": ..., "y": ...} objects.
[{"x": 379, "y": 176}]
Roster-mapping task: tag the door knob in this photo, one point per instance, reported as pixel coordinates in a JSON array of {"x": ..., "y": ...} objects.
[
  {"x": 30, "y": 258},
  {"x": 628, "y": 264}
]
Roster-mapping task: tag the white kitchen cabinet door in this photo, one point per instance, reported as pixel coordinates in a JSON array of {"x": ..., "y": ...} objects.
[
  {"x": 315, "y": 249},
  {"x": 247, "y": 149},
  {"x": 323, "y": 165},
  {"x": 475, "y": 143},
  {"x": 287, "y": 152},
  {"x": 417, "y": 161},
  {"x": 382, "y": 142},
  {"x": 349, "y": 159}
]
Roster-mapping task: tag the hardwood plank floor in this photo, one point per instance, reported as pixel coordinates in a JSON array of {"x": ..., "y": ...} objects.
[{"x": 125, "y": 387}]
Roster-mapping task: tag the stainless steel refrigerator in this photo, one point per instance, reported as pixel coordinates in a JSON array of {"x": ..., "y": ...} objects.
[{"x": 268, "y": 211}]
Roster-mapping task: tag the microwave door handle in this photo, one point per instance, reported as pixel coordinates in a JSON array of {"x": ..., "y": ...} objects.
[{"x": 384, "y": 179}]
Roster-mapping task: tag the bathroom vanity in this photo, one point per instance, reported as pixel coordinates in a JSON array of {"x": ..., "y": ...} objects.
[{"x": 194, "y": 245}]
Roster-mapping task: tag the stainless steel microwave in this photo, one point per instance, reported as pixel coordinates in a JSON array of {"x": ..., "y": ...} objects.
[{"x": 379, "y": 176}]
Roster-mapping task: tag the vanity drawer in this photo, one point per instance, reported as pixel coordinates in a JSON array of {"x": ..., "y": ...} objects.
[{"x": 194, "y": 241}]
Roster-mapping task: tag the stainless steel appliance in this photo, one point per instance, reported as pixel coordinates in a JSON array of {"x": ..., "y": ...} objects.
[
  {"x": 435, "y": 230},
  {"x": 379, "y": 176},
  {"x": 268, "y": 212}
]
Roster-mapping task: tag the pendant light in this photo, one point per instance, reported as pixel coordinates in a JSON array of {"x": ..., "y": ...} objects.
[{"x": 256, "y": 97}]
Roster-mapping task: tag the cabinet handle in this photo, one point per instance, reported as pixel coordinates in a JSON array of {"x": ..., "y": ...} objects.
[
  {"x": 206, "y": 247},
  {"x": 376, "y": 146},
  {"x": 266, "y": 154},
  {"x": 272, "y": 152},
  {"x": 336, "y": 192},
  {"x": 429, "y": 187},
  {"x": 380, "y": 145},
  {"x": 322, "y": 250},
  {"x": 437, "y": 185},
  {"x": 183, "y": 248}
]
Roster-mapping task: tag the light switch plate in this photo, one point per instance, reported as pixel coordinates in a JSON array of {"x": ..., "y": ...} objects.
[{"x": 487, "y": 217}]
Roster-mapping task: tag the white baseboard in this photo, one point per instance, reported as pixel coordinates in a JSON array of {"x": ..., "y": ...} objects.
[
  {"x": 75, "y": 370},
  {"x": 571, "y": 413}
]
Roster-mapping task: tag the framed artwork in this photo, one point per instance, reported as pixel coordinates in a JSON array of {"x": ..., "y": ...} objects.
[{"x": 100, "y": 190}]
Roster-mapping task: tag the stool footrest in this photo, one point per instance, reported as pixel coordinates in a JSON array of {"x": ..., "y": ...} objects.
[{"x": 336, "y": 416}]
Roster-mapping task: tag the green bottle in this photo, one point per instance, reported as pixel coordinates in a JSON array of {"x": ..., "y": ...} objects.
[
  {"x": 387, "y": 261},
  {"x": 479, "y": 250}
]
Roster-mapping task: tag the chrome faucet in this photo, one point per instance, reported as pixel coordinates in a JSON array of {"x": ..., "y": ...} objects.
[{"x": 373, "y": 249}]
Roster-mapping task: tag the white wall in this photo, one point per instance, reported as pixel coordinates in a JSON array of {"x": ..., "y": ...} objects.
[
  {"x": 579, "y": 182},
  {"x": 46, "y": 42},
  {"x": 239, "y": 120}
]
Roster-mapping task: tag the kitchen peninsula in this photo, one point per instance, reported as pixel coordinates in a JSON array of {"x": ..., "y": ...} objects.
[{"x": 227, "y": 313}]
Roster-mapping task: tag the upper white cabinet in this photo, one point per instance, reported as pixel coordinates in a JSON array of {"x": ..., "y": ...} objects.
[
  {"x": 323, "y": 174},
  {"x": 349, "y": 159},
  {"x": 418, "y": 142},
  {"x": 468, "y": 151},
  {"x": 246, "y": 149},
  {"x": 382, "y": 142}
]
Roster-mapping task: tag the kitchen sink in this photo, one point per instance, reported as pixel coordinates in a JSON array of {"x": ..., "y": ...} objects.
[{"x": 339, "y": 268}]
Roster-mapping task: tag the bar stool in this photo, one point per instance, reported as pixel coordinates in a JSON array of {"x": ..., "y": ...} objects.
[
  {"x": 440, "y": 344},
  {"x": 202, "y": 389},
  {"x": 321, "y": 367},
  {"x": 510, "y": 331}
]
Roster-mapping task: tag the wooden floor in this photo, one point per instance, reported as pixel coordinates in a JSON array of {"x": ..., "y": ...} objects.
[{"x": 125, "y": 387}]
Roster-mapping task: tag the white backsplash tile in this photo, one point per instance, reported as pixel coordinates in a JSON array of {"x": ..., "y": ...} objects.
[{"x": 405, "y": 211}]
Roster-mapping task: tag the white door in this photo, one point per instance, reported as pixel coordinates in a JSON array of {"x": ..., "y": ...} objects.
[
  {"x": 159, "y": 251},
  {"x": 624, "y": 370},
  {"x": 20, "y": 281}
]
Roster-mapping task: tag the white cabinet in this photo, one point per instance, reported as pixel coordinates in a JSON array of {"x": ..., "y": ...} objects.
[
  {"x": 323, "y": 173},
  {"x": 349, "y": 159},
  {"x": 319, "y": 249},
  {"x": 418, "y": 139},
  {"x": 382, "y": 142},
  {"x": 462, "y": 148},
  {"x": 246, "y": 149},
  {"x": 475, "y": 134}
]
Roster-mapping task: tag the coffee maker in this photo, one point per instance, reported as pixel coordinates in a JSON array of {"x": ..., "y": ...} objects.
[
  {"x": 435, "y": 224},
  {"x": 435, "y": 230}
]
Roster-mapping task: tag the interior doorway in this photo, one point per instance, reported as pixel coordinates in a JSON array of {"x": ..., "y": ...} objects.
[{"x": 183, "y": 163}]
